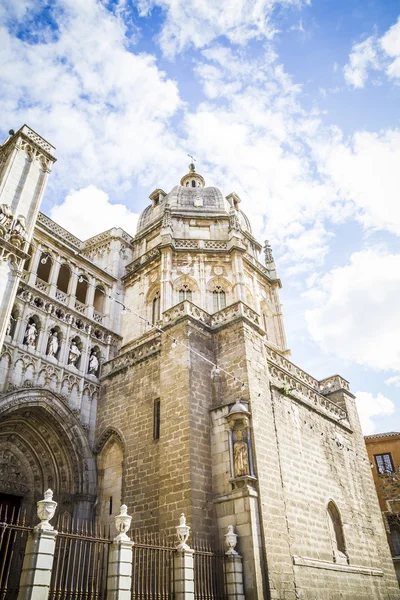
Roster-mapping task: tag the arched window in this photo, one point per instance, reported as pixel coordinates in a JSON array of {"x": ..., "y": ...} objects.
[
  {"x": 193, "y": 183},
  {"x": 219, "y": 298},
  {"x": 81, "y": 289},
  {"x": 98, "y": 301},
  {"x": 63, "y": 278},
  {"x": 185, "y": 293},
  {"x": 336, "y": 531},
  {"x": 110, "y": 481},
  {"x": 44, "y": 267},
  {"x": 155, "y": 313}
]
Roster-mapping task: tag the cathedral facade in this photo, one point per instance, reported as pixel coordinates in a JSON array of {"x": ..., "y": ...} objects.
[{"x": 153, "y": 369}]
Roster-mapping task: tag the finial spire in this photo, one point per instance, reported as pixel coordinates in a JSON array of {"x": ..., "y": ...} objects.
[{"x": 192, "y": 166}]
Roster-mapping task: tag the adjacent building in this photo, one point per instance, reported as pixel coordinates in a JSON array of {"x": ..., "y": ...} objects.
[{"x": 384, "y": 455}]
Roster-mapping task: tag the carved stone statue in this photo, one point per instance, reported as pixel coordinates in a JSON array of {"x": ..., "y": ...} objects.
[
  {"x": 6, "y": 217},
  {"x": 93, "y": 364},
  {"x": 74, "y": 354},
  {"x": 241, "y": 456},
  {"x": 10, "y": 325},
  {"x": 31, "y": 335},
  {"x": 53, "y": 344},
  {"x": 19, "y": 227}
]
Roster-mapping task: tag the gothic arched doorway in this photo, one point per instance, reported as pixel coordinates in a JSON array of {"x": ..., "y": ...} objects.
[{"x": 43, "y": 445}]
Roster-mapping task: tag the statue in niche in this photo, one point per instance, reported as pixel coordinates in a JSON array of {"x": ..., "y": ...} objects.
[
  {"x": 31, "y": 335},
  {"x": 10, "y": 326},
  {"x": 53, "y": 344},
  {"x": 241, "y": 455},
  {"x": 93, "y": 363},
  {"x": 74, "y": 354}
]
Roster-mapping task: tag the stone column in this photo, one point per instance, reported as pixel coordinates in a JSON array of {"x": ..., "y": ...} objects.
[
  {"x": 55, "y": 269},
  {"x": 90, "y": 297},
  {"x": 37, "y": 253},
  {"x": 183, "y": 564},
  {"x": 39, "y": 554},
  {"x": 233, "y": 568},
  {"x": 73, "y": 281},
  {"x": 119, "y": 577}
]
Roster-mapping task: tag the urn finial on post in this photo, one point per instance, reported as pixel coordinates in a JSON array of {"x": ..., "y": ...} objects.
[
  {"x": 45, "y": 511},
  {"x": 182, "y": 531},
  {"x": 231, "y": 541},
  {"x": 122, "y": 524}
]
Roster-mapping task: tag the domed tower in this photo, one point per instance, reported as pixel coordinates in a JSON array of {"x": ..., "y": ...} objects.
[{"x": 196, "y": 244}]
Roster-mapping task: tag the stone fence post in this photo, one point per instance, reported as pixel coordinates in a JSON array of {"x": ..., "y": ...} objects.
[
  {"x": 119, "y": 577},
  {"x": 233, "y": 567},
  {"x": 39, "y": 553},
  {"x": 183, "y": 563}
]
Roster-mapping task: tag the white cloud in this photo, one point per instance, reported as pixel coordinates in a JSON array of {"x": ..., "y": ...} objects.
[
  {"x": 390, "y": 43},
  {"x": 256, "y": 142},
  {"x": 370, "y": 406},
  {"x": 374, "y": 54},
  {"x": 364, "y": 172},
  {"x": 88, "y": 211},
  {"x": 192, "y": 23},
  {"x": 393, "y": 381},
  {"x": 355, "y": 310},
  {"x": 105, "y": 108},
  {"x": 363, "y": 57}
]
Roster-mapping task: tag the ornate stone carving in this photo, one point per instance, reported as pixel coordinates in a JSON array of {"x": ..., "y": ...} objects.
[
  {"x": 74, "y": 354},
  {"x": 122, "y": 524},
  {"x": 93, "y": 363},
  {"x": 182, "y": 532},
  {"x": 268, "y": 252},
  {"x": 45, "y": 511},
  {"x": 6, "y": 218},
  {"x": 53, "y": 344},
  {"x": 31, "y": 334},
  {"x": 231, "y": 541},
  {"x": 12, "y": 480},
  {"x": 241, "y": 456}
]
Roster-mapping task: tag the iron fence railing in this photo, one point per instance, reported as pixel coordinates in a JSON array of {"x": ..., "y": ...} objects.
[
  {"x": 152, "y": 567},
  {"x": 80, "y": 562},
  {"x": 209, "y": 572},
  {"x": 14, "y": 531}
]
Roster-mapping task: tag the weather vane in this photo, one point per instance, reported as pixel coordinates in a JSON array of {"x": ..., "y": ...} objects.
[{"x": 192, "y": 157}]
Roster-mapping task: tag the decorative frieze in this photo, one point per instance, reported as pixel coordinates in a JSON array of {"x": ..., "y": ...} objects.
[{"x": 132, "y": 356}]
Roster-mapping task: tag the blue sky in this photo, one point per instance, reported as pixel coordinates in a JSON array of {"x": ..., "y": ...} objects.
[{"x": 292, "y": 104}]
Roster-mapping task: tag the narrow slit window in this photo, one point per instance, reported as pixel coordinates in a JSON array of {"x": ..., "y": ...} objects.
[
  {"x": 156, "y": 309},
  {"x": 111, "y": 504},
  {"x": 156, "y": 420}
]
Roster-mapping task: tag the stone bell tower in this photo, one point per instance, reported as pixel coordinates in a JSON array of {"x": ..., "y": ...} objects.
[
  {"x": 213, "y": 420},
  {"x": 25, "y": 163}
]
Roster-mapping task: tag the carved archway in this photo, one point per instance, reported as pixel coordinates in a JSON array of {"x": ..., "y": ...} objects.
[{"x": 42, "y": 445}]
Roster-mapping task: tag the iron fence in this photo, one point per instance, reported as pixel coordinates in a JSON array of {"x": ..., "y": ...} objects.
[
  {"x": 152, "y": 567},
  {"x": 209, "y": 572},
  {"x": 80, "y": 562},
  {"x": 13, "y": 536}
]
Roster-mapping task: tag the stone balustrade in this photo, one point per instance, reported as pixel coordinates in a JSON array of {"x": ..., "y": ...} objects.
[{"x": 332, "y": 384}]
